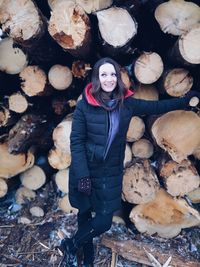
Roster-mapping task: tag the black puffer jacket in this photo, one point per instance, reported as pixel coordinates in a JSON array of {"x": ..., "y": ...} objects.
[{"x": 88, "y": 140}]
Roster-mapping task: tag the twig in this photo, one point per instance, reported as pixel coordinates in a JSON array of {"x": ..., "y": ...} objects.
[
  {"x": 7, "y": 226},
  {"x": 34, "y": 252},
  {"x": 152, "y": 259}
]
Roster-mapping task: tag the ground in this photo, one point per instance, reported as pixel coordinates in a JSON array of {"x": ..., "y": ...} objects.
[{"x": 34, "y": 244}]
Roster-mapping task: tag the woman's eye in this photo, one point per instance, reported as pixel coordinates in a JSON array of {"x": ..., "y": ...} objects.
[
  {"x": 114, "y": 74},
  {"x": 103, "y": 75}
]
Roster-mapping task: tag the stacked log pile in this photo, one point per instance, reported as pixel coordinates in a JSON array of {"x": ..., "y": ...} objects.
[{"x": 47, "y": 51}]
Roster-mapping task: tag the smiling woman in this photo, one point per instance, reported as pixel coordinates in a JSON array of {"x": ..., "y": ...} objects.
[{"x": 98, "y": 141}]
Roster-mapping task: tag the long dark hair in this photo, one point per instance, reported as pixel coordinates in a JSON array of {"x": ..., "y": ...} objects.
[{"x": 96, "y": 90}]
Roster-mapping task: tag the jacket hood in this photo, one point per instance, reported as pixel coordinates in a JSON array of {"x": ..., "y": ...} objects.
[{"x": 92, "y": 101}]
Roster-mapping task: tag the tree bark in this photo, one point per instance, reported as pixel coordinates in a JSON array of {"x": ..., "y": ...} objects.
[
  {"x": 146, "y": 92},
  {"x": 26, "y": 133}
]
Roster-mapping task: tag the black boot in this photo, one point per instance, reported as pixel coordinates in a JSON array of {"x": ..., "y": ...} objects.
[
  {"x": 69, "y": 251},
  {"x": 88, "y": 254}
]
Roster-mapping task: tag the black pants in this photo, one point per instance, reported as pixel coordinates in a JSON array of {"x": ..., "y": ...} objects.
[{"x": 88, "y": 228}]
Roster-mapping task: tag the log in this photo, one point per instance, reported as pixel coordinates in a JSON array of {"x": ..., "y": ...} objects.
[
  {"x": 58, "y": 159},
  {"x": 12, "y": 59},
  {"x": 136, "y": 129},
  {"x": 194, "y": 195},
  {"x": 33, "y": 178},
  {"x": 134, "y": 250},
  {"x": 22, "y": 20},
  {"x": 148, "y": 67},
  {"x": 90, "y": 6},
  {"x": 61, "y": 105},
  {"x": 114, "y": 36},
  {"x": 194, "y": 101},
  {"x": 5, "y": 117},
  {"x": 28, "y": 131},
  {"x": 179, "y": 178},
  {"x": 34, "y": 81},
  {"x": 112, "y": 30},
  {"x": 36, "y": 211},
  {"x": 185, "y": 51},
  {"x": 140, "y": 183},
  {"x": 176, "y": 82},
  {"x": 60, "y": 77},
  {"x": 69, "y": 26},
  {"x": 176, "y": 17},
  {"x": 61, "y": 136},
  {"x": 64, "y": 205},
  {"x": 3, "y": 187},
  {"x": 142, "y": 148},
  {"x": 62, "y": 180},
  {"x": 11, "y": 165},
  {"x": 146, "y": 92},
  {"x": 128, "y": 155},
  {"x": 125, "y": 78},
  {"x": 17, "y": 103},
  {"x": 23, "y": 195},
  {"x": 184, "y": 139},
  {"x": 80, "y": 69},
  {"x": 164, "y": 215}
]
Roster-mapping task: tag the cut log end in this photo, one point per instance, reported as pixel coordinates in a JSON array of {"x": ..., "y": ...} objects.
[
  {"x": 33, "y": 178},
  {"x": 177, "y": 82},
  {"x": 140, "y": 183},
  {"x": 148, "y": 68},
  {"x": 114, "y": 31},
  {"x": 33, "y": 81},
  {"x": 136, "y": 129},
  {"x": 189, "y": 45},
  {"x": 164, "y": 215},
  {"x": 177, "y": 17},
  {"x": 13, "y": 59},
  {"x": 3, "y": 187},
  {"x": 17, "y": 103},
  {"x": 22, "y": 20},
  {"x": 68, "y": 25},
  {"x": 60, "y": 77}
]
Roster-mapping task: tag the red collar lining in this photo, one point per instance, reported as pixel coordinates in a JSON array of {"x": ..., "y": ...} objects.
[{"x": 92, "y": 101}]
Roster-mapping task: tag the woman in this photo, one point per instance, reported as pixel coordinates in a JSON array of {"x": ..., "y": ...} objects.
[{"x": 98, "y": 140}]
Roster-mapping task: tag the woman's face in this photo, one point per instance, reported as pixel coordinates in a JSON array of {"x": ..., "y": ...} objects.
[{"x": 107, "y": 77}]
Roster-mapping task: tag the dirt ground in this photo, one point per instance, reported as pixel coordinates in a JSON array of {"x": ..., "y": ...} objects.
[{"x": 33, "y": 244}]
